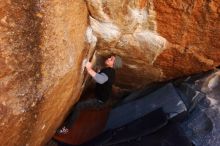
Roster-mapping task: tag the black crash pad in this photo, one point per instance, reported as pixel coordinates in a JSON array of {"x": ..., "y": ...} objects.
[
  {"x": 151, "y": 130},
  {"x": 170, "y": 135},
  {"x": 165, "y": 97},
  {"x": 146, "y": 125},
  {"x": 150, "y": 123}
]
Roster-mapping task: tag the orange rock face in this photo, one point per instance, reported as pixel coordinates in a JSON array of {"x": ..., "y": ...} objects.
[
  {"x": 158, "y": 40},
  {"x": 42, "y": 47},
  {"x": 193, "y": 31}
]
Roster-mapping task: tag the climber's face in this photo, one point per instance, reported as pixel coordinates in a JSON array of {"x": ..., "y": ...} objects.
[{"x": 109, "y": 62}]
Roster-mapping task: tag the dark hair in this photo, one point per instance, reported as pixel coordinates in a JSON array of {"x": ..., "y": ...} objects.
[{"x": 106, "y": 56}]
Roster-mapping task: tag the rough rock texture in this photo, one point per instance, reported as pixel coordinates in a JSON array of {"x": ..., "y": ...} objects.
[
  {"x": 158, "y": 40},
  {"x": 193, "y": 30},
  {"x": 42, "y": 47},
  {"x": 203, "y": 123}
]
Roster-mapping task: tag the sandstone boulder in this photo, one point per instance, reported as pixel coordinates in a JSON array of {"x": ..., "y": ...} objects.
[
  {"x": 44, "y": 45},
  {"x": 158, "y": 40}
]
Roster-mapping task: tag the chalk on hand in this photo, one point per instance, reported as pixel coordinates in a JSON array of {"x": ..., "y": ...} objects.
[{"x": 84, "y": 62}]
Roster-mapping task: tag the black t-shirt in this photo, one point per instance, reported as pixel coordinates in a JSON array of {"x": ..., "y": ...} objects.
[{"x": 103, "y": 91}]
